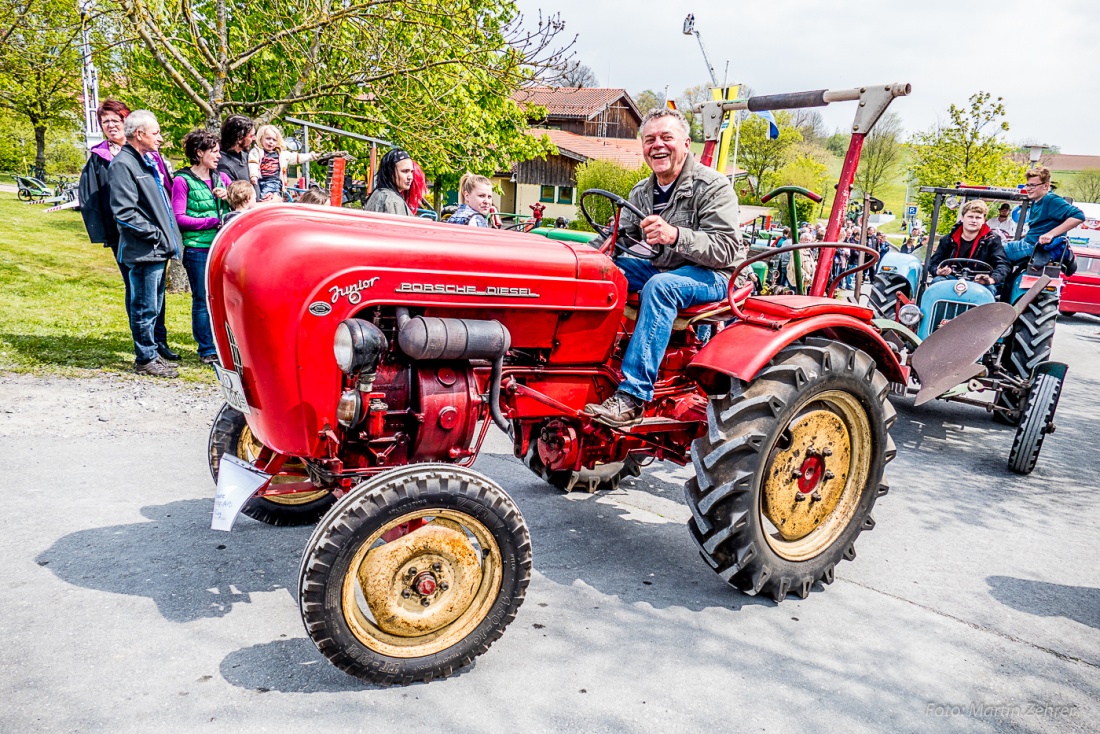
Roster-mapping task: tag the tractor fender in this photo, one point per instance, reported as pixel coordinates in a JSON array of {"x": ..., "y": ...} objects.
[
  {"x": 742, "y": 349},
  {"x": 903, "y": 265}
]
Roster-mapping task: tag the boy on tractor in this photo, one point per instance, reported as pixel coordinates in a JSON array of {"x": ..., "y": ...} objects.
[
  {"x": 1049, "y": 217},
  {"x": 972, "y": 239}
]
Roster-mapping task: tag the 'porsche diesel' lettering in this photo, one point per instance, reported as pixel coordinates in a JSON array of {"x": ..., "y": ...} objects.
[{"x": 466, "y": 290}]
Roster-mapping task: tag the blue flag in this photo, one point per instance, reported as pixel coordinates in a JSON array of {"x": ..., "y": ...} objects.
[{"x": 773, "y": 127}]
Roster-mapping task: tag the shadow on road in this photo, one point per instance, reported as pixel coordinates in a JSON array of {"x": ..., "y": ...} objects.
[
  {"x": 189, "y": 571},
  {"x": 1079, "y": 603}
]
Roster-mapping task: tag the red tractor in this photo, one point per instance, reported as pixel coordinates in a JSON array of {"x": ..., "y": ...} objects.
[{"x": 365, "y": 357}]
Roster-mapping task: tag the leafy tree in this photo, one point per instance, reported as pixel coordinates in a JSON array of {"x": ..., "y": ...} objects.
[
  {"x": 804, "y": 170},
  {"x": 810, "y": 124},
  {"x": 40, "y": 67},
  {"x": 881, "y": 152},
  {"x": 763, "y": 157},
  {"x": 687, "y": 100},
  {"x": 837, "y": 143},
  {"x": 966, "y": 150},
  {"x": 647, "y": 100},
  {"x": 434, "y": 76},
  {"x": 1086, "y": 187},
  {"x": 608, "y": 176},
  {"x": 577, "y": 75}
]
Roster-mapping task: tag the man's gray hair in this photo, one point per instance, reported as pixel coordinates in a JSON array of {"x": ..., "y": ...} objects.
[
  {"x": 658, "y": 112},
  {"x": 138, "y": 120}
]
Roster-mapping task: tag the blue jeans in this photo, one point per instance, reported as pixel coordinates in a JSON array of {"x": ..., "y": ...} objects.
[
  {"x": 146, "y": 302},
  {"x": 662, "y": 295},
  {"x": 160, "y": 332},
  {"x": 1018, "y": 250},
  {"x": 194, "y": 261}
]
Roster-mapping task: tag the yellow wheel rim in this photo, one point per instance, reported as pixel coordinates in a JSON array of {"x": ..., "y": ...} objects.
[
  {"x": 815, "y": 479},
  {"x": 382, "y": 593},
  {"x": 249, "y": 448}
]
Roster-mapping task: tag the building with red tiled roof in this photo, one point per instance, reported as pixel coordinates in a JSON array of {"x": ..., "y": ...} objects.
[
  {"x": 595, "y": 112},
  {"x": 1059, "y": 162}
]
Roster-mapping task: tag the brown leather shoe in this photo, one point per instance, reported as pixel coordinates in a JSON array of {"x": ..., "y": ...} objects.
[
  {"x": 156, "y": 368},
  {"x": 619, "y": 410}
]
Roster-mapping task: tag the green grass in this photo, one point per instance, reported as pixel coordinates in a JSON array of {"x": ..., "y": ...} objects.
[{"x": 61, "y": 300}]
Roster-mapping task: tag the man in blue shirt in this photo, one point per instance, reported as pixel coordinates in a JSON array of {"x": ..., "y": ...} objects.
[{"x": 1049, "y": 217}]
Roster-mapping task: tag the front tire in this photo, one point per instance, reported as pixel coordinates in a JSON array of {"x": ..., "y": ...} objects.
[
  {"x": 414, "y": 573},
  {"x": 819, "y": 409},
  {"x": 1038, "y": 421},
  {"x": 231, "y": 434}
]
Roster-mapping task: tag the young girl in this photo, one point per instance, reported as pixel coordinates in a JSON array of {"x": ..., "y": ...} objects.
[
  {"x": 267, "y": 164},
  {"x": 475, "y": 198}
]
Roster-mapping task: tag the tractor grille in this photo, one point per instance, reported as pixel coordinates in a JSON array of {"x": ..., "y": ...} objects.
[
  {"x": 234, "y": 351},
  {"x": 947, "y": 310}
]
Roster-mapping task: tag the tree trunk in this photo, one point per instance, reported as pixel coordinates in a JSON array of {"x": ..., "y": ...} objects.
[
  {"x": 177, "y": 278},
  {"x": 40, "y": 151}
]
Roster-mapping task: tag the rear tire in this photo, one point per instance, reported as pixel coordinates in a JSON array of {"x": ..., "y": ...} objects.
[
  {"x": 884, "y": 295},
  {"x": 820, "y": 401},
  {"x": 1038, "y": 421},
  {"x": 1032, "y": 341},
  {"x": 230, "y": 434},
  {"x": 359, "y": 589}
]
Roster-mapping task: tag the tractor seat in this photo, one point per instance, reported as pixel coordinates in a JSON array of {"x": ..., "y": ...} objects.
[
  {"x": 711, "y": 312},
  {"x": 803, "y": 307}
]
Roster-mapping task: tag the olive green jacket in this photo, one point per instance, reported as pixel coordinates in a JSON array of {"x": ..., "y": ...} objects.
[
  {"x": 388, "y": 201},
  {"x": 703, "y": 208}
]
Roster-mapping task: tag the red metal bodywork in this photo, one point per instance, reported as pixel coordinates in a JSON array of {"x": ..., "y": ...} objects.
[{"x": 1081, "y": 291}]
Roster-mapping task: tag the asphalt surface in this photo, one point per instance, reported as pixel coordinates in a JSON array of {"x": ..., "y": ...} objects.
[{"x": 974, "y": 605}]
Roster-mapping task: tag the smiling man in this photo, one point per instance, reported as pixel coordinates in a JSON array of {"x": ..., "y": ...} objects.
[{"x": 692, "y": 217}]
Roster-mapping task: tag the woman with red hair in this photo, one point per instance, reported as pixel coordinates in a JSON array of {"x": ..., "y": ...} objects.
[
  {"x": 414, "y": 197},
  {"x": 95, "y": 200}
]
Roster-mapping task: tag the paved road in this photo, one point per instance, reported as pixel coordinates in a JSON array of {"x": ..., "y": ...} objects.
[{"x": 973, "y": 606}]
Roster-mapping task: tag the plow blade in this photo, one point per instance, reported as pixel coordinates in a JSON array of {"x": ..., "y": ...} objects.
[{"x": 949, "y": 355}]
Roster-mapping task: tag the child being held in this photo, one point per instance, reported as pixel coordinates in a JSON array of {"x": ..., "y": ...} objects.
[
  {"x": 241, "y": 197},
  {"x": 267, "y": 164},
  {"x": 475, "y": 198}
]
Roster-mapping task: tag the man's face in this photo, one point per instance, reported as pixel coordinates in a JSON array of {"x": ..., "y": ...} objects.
[
  {"x": 1003, "y": 214},
  {"x": 148, "y": 140},
  {"x": 870, "y": 231},
  {"x": 246, "y": 141},
  {"x": 1036, "y": 189},
  {"x": 973, "y": 220},
  {"x": 665, "y": 147}
]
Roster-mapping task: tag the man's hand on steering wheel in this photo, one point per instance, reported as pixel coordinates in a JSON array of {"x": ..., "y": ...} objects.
[
  {"x": 646, "y": 250},
  {"x": 659, "y": 232}
]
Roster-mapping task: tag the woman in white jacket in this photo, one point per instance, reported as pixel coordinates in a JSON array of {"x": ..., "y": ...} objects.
[{"x": 267, "y": 164}]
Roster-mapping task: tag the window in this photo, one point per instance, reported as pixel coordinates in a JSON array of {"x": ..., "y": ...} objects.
[
  {"x": 546, "y": 194},
  {"x": 1089, "y": 265},
  {"x": 565, "y": 194}
]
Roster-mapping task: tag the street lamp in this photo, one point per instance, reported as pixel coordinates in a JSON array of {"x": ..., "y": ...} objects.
[{"x": 1036, "y": 153}]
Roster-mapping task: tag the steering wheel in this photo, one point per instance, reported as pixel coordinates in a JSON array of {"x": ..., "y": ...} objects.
[
  {"x": 961, "y": 265},
  {"x": 623, "y": 242}
]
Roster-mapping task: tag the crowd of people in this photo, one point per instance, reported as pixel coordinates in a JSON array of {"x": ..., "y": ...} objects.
[{"x": 135, "y": 204}]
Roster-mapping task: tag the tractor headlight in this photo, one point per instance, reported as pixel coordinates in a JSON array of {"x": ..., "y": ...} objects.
[
  {"x": 358, "y": 346},
  {"x": 349, "y": 410},
  {"x": 909, "y": 315}
]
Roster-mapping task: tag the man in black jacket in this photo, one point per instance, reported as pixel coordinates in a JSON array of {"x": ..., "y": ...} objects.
[
  {"x": 148, "y": 234},
  {"x": 974, "y": 240},
  {"x": 237, "y": 134}
]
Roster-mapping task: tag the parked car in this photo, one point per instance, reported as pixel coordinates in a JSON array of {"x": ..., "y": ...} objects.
[{"x": 1081, "y": 292}]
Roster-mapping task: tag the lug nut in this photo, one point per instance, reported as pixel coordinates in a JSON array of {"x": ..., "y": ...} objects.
[
  {"x": 800, "y": 497},
  {"x": 796, "y": 473},
  {"x": 829, "y": 474},
  {"x": 826, "y": 451},
  {"x": 425, "y": 602},
  {"x": 443, "y": 585},
  {"x": 437, "y": 566},
  {"x": 412, "y": 571},
  {"x": 816, "y": 496},
  {"x": 405, "y": 593}
]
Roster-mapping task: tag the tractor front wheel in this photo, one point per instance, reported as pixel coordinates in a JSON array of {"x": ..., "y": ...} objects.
[
  {"x": 790, "y": 468},
  {"x": 414, "y": 573},
  {"x": 1038, "y": 421},
  {"x": 231, "y": 434}
]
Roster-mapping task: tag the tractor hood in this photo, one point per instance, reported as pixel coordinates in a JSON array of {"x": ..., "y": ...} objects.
[{"x": 281, "y": 278}]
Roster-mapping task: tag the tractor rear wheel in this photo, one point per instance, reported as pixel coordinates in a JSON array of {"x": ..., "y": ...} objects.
[
  {"x": 790, "y": 468},
  {"x": 885, "y": 289},
  {"x": 1031, "y": 343},
  {"x": 1038, "y": 421},
  {"x": 231, "y": 434},
  {"x": 414, "y": 573}
]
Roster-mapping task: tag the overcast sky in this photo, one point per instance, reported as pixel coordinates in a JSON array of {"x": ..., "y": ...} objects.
[{"x": 947, "y": 49}]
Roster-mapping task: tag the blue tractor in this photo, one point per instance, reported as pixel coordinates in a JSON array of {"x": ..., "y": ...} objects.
[{"x": 962, "y": 339}]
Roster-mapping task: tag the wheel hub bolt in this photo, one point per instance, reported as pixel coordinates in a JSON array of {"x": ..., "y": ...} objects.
[
  {"x": 443, "y": 585},
  {"x": 425, "y": 602},
  {"x": 829, "y": 474},
  {"x": 796, "y": 473},
  {"x": 412, "y": 571},
  {"x": 815, "y": 496},
  {"x": 799, "y": 497},
  {"x": 437, "y": 566},
  {"x": 405, "y": 593},
  {"x": 826, "y": 451}
]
